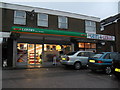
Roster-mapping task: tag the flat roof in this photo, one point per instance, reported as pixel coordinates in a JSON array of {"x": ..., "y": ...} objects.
[{"x": 47, "y": 11}]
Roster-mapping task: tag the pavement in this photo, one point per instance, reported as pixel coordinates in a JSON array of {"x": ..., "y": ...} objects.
[{"x": 45, "y": 65}]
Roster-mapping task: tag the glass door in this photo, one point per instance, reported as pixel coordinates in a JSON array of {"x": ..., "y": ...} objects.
[
  {"x": 38, "y": 56},
  {"x": 31, "y": 54},
  {"x": 34, "y": 54}
]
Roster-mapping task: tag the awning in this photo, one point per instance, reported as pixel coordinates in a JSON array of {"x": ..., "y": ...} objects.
[{"x": 48, "y": 32}]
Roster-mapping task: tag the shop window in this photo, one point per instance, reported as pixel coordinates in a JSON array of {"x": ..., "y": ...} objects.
[
  {"x": 81, "y": 45},
  {"x": 87, "y": 45},
  {"x": 93, "y": 45},
  {"x": 20, "y": 17},
  {"x": 21, "y": 53},
  {"x": 90, "y": 27},
  {"x": 54, "y": 48},
  {"x": 62, "y": 22},
  {"x": 58, "y": 47},
  {"x": 42, "y": 20},
  {"x": 47, "y": 48}
]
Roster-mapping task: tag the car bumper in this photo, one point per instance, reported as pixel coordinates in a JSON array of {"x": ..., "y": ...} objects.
[
  {"x": 97, "y": 66},
  {"x": 64, "y": 62}
]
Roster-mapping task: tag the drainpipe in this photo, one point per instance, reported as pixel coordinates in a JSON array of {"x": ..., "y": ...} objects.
[
  {"x": 14, "y": 53},
  {"x": 72, "y": 47}
]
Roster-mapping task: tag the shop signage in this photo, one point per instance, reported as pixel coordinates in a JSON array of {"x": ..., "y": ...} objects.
[
  {"x": 100, "y": 37},
  {"x": 47, "y": 31}
]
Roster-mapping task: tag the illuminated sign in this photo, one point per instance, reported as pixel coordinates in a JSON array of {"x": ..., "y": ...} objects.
[
  {"x": 48, "y": 32},
  {"x": 100, "y": 37}
]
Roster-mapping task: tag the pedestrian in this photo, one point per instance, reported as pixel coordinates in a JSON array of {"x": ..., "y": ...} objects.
[
  {"x": 54, "y": 60},
  {"x": 94, "y": 51}
]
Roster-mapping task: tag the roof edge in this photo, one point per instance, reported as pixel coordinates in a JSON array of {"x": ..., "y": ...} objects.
[{"x": 48, "y": 11}]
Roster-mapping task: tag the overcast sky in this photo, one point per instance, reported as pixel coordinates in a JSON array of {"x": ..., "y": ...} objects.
[{"x": 101, "y": 9}]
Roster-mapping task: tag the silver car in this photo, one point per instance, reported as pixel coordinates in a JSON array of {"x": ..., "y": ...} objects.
[{"x": 76, "y": 59}]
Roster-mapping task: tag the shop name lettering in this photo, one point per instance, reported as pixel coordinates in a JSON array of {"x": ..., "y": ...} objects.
[
  {"x": 28, "y": 30},
  {"x": 101, "y": 37}
]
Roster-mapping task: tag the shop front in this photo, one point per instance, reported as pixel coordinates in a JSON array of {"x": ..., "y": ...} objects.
[{"x": 37, "y": 47}]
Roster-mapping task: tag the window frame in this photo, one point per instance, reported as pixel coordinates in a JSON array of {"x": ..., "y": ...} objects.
[
  {"x": 19, "y": 17},
  {"x": 40, "y": 20},
  {"x": 90, "y": 26},
  {"x": 66, "y": 22}
]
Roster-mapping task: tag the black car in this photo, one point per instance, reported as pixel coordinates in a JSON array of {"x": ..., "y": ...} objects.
[{"x": 116, "y": 65}]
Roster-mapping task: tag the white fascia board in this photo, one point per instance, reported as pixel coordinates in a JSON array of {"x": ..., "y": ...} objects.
[
  {"x": 48, "y": 11},
  {"x": 5, "y": 34}
]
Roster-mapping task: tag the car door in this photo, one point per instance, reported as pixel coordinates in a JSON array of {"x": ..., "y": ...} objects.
[
  {"x": 83, "y": 57},
  {"x": 107, "y": 59}
]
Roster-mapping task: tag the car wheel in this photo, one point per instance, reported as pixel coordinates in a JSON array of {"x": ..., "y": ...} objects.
[
  {"x": 108, "y": 70},
  {"x": 93, "y": 70},
  {"x": 117, "y": 76},
  {"x": 77, "y": 65}
]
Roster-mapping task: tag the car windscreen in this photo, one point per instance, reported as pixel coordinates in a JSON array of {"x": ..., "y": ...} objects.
[
  {"x": 97, "y": 55},
  {"x": 71, "y": 53}
]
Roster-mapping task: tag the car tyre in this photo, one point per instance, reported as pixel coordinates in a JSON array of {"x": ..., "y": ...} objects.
[
  {"x": 108, "y": 70},
  {"x": 77, "y": 65},
  {"x": 117, "y": 76},
  {"x": 93, "y": 70}
]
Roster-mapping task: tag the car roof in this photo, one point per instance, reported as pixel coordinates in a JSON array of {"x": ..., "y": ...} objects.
[{"x": 109, "y": 52}]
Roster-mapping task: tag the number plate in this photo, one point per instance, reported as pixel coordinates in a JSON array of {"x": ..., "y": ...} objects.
[{"x": 93, "y": 61}]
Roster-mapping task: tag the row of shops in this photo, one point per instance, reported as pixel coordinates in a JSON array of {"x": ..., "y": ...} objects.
[{"x": 28, "y": 47}]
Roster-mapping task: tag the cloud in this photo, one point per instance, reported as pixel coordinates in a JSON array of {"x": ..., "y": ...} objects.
[{"x": 60, "y": 1}]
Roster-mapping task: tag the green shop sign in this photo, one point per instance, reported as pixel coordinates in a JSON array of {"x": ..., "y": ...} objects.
[{"x": 48, "y": 32}]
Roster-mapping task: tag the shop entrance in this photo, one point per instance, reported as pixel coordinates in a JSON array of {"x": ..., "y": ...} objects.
[{"x": 29, "y": 54}]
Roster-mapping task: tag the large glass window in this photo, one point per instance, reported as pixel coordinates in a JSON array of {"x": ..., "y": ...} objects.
[
  {"x": 93, "y": 45},
  {"x": 87, "y": 45},
  {"x": 81, "y": 45},
  {"x": 42, "y": 20},
  {"x": 62, "y": 22},
  {"x": 22, "y": 53},
  {"x": 20, "y": 17},
  {"x": 90, "y": 26}
]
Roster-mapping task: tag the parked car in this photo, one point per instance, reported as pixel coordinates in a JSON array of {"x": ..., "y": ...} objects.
[
  {"x": 76, "y": 59},
  {"x": 116, "y": 66},
  {"x": 102, "y": 61}
]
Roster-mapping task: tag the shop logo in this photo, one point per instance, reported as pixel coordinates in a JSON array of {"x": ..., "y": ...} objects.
[{"x": 17, "y": 29}]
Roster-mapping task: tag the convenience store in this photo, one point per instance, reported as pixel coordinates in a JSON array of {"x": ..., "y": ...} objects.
[{"x": 36, "y": 47}]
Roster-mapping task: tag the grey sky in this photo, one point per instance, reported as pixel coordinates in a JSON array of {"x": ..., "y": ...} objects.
[{"x": 97, "y": 9}]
